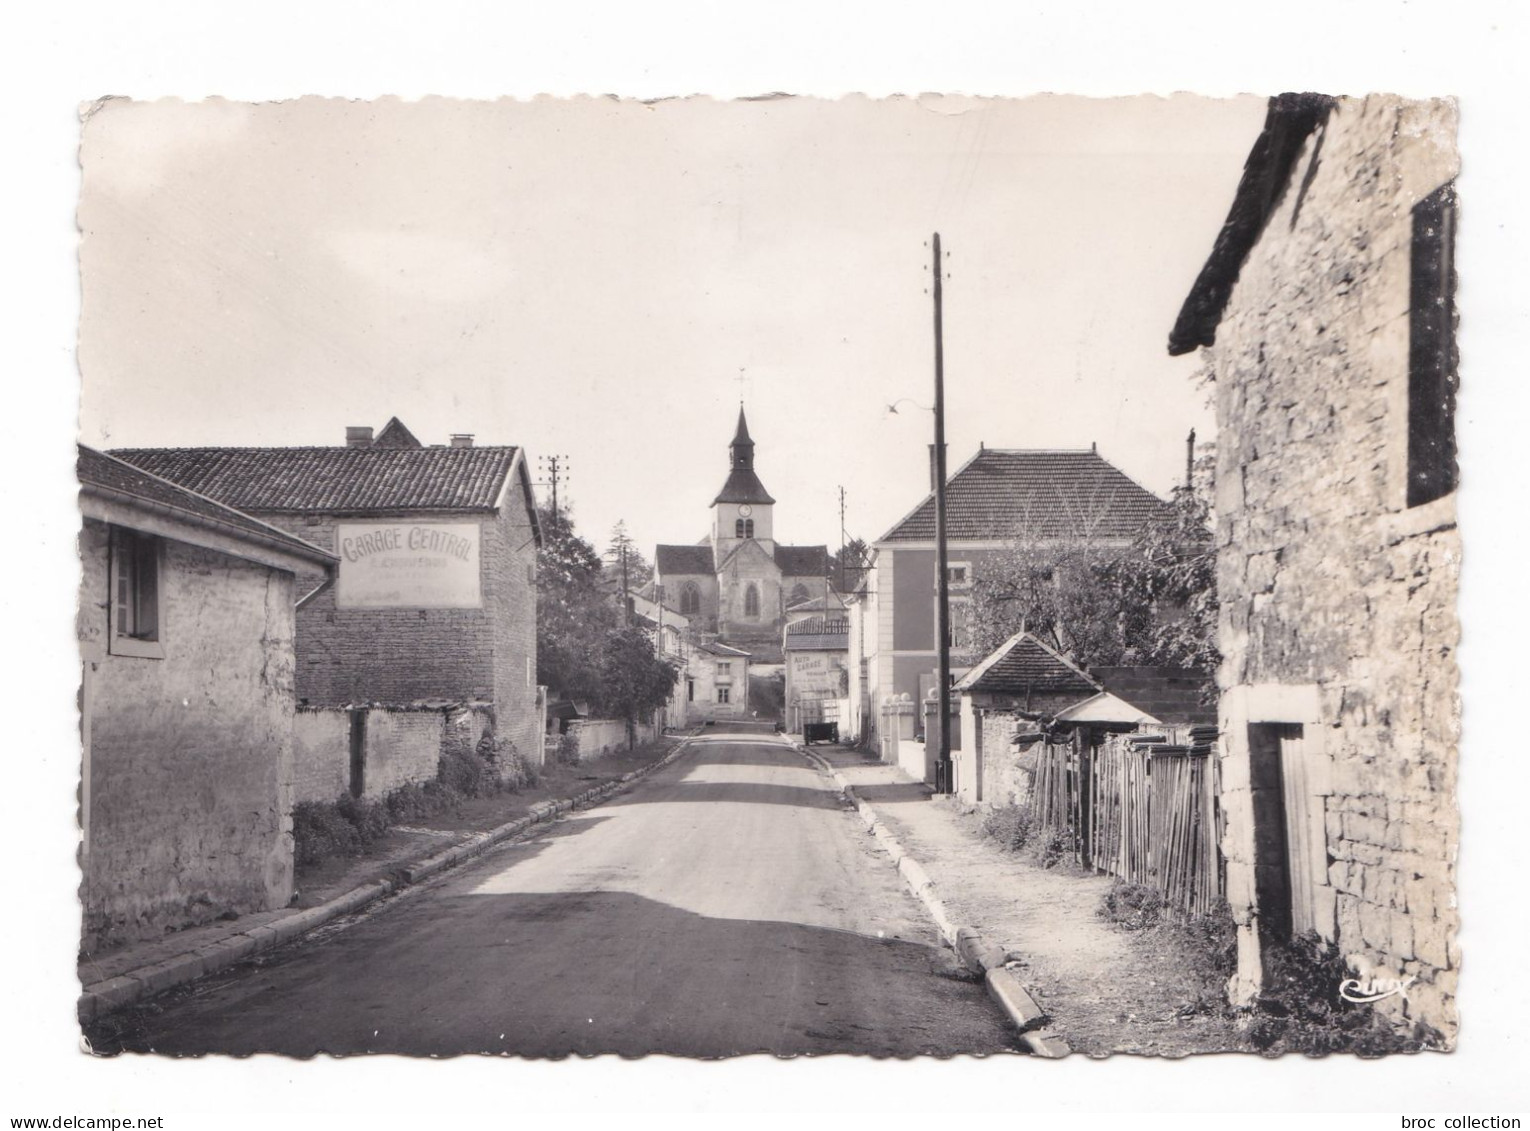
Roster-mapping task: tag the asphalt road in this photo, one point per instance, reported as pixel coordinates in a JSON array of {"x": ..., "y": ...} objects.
[{"x": 728, "y": 904}]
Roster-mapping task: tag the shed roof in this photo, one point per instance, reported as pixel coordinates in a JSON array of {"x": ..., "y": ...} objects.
[
  {"x": 818, "y": 634},
  {"x": 336, "y": 479},
  {"x": 1023, "y": 663},
  {"x": 1000, "y": 493}
]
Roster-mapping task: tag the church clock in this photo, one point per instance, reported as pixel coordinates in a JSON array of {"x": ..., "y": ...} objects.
[{"x": 746, "y": 510}]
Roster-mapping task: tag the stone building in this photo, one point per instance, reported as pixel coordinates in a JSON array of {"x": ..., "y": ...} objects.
[
  {"x": 817, "y": 689},
  {"x": 433, "y": 606},
  {"x": 714, "y": 684},
  {"x": 1326, "y": 318},
  {"x": 739, "y": 581},
  {"x": 185, "y": 623}
]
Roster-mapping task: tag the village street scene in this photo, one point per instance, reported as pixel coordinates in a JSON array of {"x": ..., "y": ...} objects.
[{"x": 910, "y": 578}]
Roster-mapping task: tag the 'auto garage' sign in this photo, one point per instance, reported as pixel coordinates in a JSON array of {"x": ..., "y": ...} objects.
[{"x": 408, "y": 565}]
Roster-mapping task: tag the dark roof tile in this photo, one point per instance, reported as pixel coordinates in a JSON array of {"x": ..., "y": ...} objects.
[
  {"x": 671, "y": 560},
  {"x": 335, "y": 479},
  {"x": 1024, "y": 663},
  {"x": 1004, "y": 493},
  {"x": 803, "y": 561}
]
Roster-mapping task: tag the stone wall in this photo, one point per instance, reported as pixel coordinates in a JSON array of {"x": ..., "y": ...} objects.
[
  {"x": 598, "y": 737},
  {"x": 188, "y": 764},
  {"x": 1008, "y": 771},
  {"x": 400, "y": 746},
  {"x": 1338, "y": 601}
]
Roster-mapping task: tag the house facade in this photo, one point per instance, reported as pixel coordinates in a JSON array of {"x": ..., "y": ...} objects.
[
  {"x": 817, "y": 689},
  {"x": 1052, "y": 499},
  {"x": 434, "y": 598},
  {"x": 186, "y": 628},
  {"x": 714, "y": 686},
  {"x": 1325, "y": 314}
]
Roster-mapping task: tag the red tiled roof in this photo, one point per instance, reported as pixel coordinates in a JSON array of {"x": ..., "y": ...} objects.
[
  {"x": 334, "y": 479},
  {"x": 98, "y": 470},
  {"x": 1024, "y": 663},
  {"x": 1003, "y": 493}
]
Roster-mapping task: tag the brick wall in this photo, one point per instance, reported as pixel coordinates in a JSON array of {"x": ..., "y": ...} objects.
[
  {"x": 1338, "y": 602},
  {"x": 321, "y": 754},
  {"x": 188, "y": 773},
  {"x": 400, "y": 746},
  {"x": 1170, "y": 695},
  {"x": 401, "y": 656}
]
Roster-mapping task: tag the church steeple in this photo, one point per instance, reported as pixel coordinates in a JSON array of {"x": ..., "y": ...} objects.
[
  {"x": 742, "y": 446},
  {"x": 743, "y": 485}
]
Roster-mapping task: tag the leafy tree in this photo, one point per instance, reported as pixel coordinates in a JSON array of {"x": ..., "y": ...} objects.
[
  {"x": 634, "y": 682},
  {"x": 854, "y": 558},
  {"x": 573, "y": 613},
  {"x": 1152, "y": 602}
]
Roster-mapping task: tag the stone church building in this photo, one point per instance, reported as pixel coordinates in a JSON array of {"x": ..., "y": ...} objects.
[{"x": 739, "y": 582}]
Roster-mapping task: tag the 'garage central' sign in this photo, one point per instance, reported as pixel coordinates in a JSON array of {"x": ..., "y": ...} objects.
[{"x": 407, "y": 565}]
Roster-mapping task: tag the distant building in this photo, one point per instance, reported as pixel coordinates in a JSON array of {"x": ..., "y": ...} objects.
[
  {"x": 186, "y": 623},
  {"x": 1326, "y": 315},
  {"x": 1056, "y": 498},
  {"x": 715, "y": 683},
  {"x": 817, "y": 653},
  {"x": 434, "y": 600},
  {"x": 739, "y": 582}
]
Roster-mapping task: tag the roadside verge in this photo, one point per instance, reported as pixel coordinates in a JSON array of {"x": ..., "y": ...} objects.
[
  {"x": 978, "y": 955},
  {"x": 104, "y": 996}
]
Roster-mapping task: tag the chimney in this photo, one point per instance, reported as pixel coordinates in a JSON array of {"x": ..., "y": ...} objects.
[
  {"x": 358, "y": 436},
  {"x": 462, "y": 439},
  {"x": 934, "y": 475}
]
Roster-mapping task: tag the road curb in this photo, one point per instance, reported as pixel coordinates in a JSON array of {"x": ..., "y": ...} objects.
[
  {"x": 109, "y": 994},
  {"x": 977, "y": 954}
]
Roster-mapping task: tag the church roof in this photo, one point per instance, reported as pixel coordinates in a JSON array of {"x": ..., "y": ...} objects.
[
  {"x": 1045, "y": 494},
  {"x": 803, "y": 561},
  {"x": 671, "y": 560},
  {"x": 743, "y": 486}
]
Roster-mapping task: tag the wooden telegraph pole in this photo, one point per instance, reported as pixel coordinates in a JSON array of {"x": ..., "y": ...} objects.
[{"x": 944, "y": 778}]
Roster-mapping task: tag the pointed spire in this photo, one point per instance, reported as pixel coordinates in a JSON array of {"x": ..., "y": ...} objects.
[{"x": 742, "y": 446}]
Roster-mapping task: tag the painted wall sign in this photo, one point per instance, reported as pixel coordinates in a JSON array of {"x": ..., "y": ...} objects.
[
  {"x": 408, "y": 565},
  {"x": 815, "y": 673}
]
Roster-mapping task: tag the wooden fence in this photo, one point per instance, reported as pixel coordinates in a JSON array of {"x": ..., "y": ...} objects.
[{"x": 1141, "y": 807}]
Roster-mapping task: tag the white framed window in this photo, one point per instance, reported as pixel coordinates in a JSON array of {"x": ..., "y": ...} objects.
[
  {"x": 723, "y": 691},
  {"x": 961, "y": 624},
  {"x": 137, "y": 626},
  {"x": 958, "y": 575},
  {"x": 724, "y": 670}
]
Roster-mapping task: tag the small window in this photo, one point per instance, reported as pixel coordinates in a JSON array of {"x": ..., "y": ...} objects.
[
  {"x": 960, "y": 624},
  {"x": 1432, "y": 373},
  {"x": 743, "y": 528},
  {"x": 690, "y": 691},
  {"x": 958, "y": 575},
  {"x": 722, "y": 694},
  {"x": 135, "y": 580},
  {"x": 724, "y": 669},
  {"x": 800, "y": 593},
  {"x": 752, "y": 601}
]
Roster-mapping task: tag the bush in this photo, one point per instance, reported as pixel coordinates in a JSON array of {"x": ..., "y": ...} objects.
[
  {"x": 369, "y": 818},
  {"x": 1131, "y": 906},
  {"x": 468, "y": 772},
  {"x": 415, "y": 800},
  {"x": 516, "y": 772},
  {"x": 1012, "y": 826},
  {"x": 1300, "y": 1008},
  {"x": 319, "y": 832},
  {"x": 567, "y": 752}
]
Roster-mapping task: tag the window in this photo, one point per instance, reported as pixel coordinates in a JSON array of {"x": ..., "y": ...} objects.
[
  {"x": 958, "y": 575},
  {"x": 722, "y": 693},
  {"x": 724, "y": 669},
  {"x": 961, "y": 623},
  {"x": 690, "y": 599},
  {"x": 743, "y": 528},
  {"x": 135, "y": 610},
  {"x": 799, "y": 593},
  {"x": 690, "y": 691},
  {"x": 1432, "y": 374},
  {"x": 752, "y": 601}
]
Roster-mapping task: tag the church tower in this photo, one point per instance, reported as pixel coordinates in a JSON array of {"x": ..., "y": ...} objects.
[{"x": 742, "y": 511}]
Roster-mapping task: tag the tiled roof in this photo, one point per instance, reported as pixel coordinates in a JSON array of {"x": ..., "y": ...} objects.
[
  {"x": 832, "y": 601},
  {"x": 803, "y": 561},
  {"x": 817, "y": 634},
  {"x": 717, "y": 648},
  {"x": 1024, "y": 663},
  {"x": 1002, "y": 493},
  {"x": 671, "y": 560},
  {"x": 335, "y": 479},
  {"x": 98, "y": 470}
]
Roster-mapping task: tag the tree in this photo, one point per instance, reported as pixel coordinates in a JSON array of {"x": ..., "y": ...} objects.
[
  {"x": 573, "y": 613},
  {"x": 634, "y": 682},
  {"x": 639, "y": 570},
  {"x": 848, "y": 566},
  {"x": 1151, "y": 602}
]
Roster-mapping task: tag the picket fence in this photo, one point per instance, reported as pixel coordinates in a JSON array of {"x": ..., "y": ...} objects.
[{"x": 1139, "y": 806}]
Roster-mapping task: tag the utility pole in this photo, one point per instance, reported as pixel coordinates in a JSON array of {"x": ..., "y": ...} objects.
[
  {"x": 944, "y": 782},
  {"x": 1190, "y": 462},
  {"x": 842, "y": 540},
  {"x": 553, "y": 464}
]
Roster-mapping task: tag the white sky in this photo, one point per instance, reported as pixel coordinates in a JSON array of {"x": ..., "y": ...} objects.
[{"x": 587, "y": 278}]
